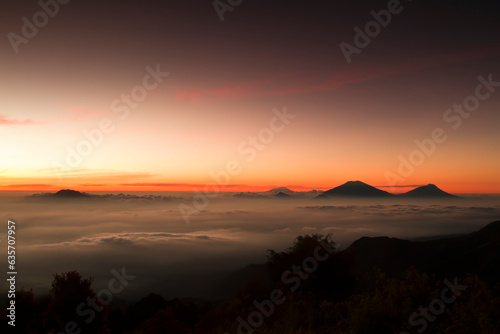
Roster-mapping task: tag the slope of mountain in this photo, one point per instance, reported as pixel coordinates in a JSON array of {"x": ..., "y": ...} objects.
[
  {"x": 282, "y": 195},
  {"x": 476, "y": 253},
  {"x": 283, "y": 190},
  {"x": 428, "y": 191},
  {"x": 355, "y": 189}
]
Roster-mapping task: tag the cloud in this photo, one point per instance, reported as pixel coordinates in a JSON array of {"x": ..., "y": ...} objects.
[
  {"x": 402, "y": 186},
  {"x": 29, "y": 186},
  {"x": 93, "y": 175},
  {"x": 176, "y": 184},
  {"x": 151, "y": 238},
  {"x": 303, "y": 83},
  {"x": 332, "y": 228},
  {"x": 349, "y": 229},
  {"x": 329, "y": 207},
  {"x": 136, "y": 197},
  {"x": 410, "y": 209},
  {"x": 188, "y": 185},
  {"x": 237, "y": 90},
  {"x": 5, "y": 121},
  {"x": 359, "y": 229},
  {"x": 135, "y": 238},
  {"x": 78, "y": 114},
  {"x": 233, "y": 212}
]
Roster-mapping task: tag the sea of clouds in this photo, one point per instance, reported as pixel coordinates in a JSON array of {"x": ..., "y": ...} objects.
[{"x": 149, "y": 237}]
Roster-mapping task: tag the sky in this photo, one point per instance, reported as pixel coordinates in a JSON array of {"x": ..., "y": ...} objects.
[{"x": 175, "y": 95}]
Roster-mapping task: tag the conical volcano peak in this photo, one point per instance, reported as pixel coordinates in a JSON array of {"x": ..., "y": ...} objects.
[
  {"x": 430, "y": 190},
  {"x": 356, "y": 189}
]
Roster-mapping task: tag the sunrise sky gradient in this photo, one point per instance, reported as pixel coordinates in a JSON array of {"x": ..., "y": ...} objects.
[{"x": 352, "y": 122}]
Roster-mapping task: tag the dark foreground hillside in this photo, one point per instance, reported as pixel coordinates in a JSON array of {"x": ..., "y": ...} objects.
[{"x": 377, "y": 285}]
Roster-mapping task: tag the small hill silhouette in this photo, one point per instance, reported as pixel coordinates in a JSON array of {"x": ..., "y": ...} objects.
[
  {"x": 477, "y": 252},
  {"x": 355, "y": 189},
  {"x": 62, "y": 194},
  {"x": 278, "y": 190},
  {"x": 68, "y": 193},
  {"x": 428, "y": 191}
]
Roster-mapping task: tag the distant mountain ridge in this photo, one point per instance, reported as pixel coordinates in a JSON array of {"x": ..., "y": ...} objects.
[
  {"x": 279, "y": 192},
  {"x": 351, "y": 189},
  {"x": 363, "y": 190},
  {"x": 477, "y": 252},
  {"x": 64, "y": 194}
]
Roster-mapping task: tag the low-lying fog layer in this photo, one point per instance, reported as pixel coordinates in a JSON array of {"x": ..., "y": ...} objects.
[{"x": 151, "y": 239}]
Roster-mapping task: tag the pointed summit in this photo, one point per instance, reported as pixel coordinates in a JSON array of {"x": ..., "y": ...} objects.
[
  {"x": 282, "y": 195},
  {"x": 355, "y": 189},
  {"x": 428, "y": 191},
  {"x": 283, "y": 190}
]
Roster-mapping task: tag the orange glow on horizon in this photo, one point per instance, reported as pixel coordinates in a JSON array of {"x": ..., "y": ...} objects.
[{"x": 481, "y": 188}]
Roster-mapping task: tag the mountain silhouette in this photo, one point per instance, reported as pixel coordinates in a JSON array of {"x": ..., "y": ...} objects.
[
  {"x": 283, "y": 190},
  {"x": 477, "y": 253},
  {"x": 355, "y": 189},
  {"x": 278, "y": 192},
  {"x": 428, "y": 191},
  {"x": 64, "y": 193},
  {"x": 73, "y": 194},
  {"x": 68, "y": 193}
]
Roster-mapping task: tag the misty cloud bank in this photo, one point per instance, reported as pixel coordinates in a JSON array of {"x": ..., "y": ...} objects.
[{"x": 149, "y": 236}]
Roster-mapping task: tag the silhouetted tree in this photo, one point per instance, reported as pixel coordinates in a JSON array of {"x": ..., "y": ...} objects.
[
  {"x": 302, "y": 247},
  {"x": 164, "y": 322},
  {"x": 70, "y": 291},
  {"x": 144, "y": 309}
]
